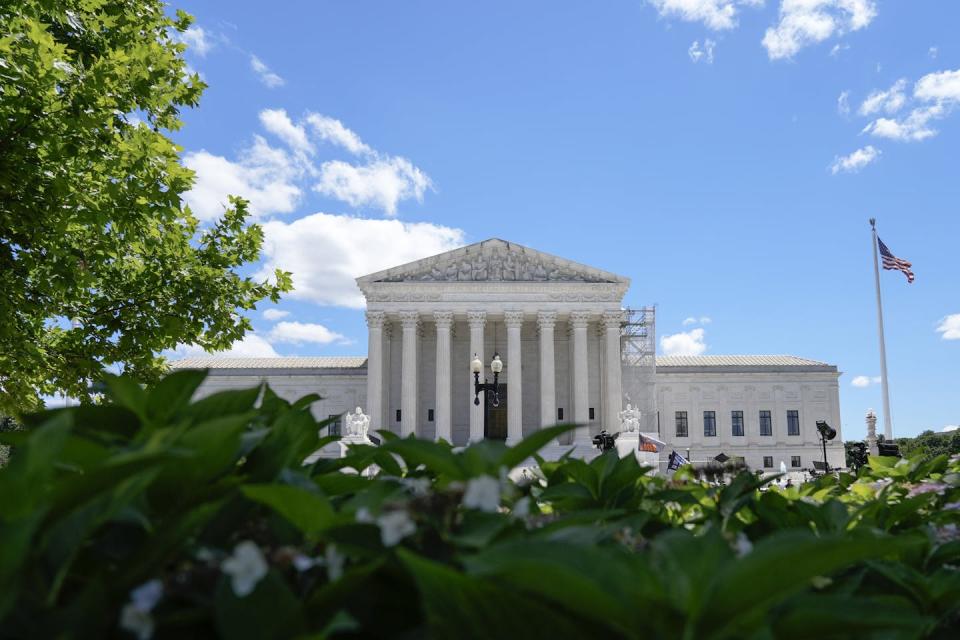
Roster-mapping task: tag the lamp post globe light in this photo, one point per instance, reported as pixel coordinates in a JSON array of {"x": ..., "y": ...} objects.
[{"x": 476, "y": 366}]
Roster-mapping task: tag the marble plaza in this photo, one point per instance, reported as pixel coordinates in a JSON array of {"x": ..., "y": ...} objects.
[{"x": 558, "y": 327}]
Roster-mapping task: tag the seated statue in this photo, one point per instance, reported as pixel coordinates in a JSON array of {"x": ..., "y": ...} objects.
[
  {"x": 356, "y": 424},
  {"x": 630, "y": 419}
]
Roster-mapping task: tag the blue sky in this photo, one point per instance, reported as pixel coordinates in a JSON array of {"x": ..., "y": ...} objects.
[{"x": 723, "y": 154}]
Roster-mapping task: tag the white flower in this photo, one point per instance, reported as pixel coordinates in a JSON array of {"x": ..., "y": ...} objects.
[
  {"x": 147, "y": 595},
  {"x": 952, "y": 506},
  {"x": 482, "y": 493},
  {"x": 135, "y": 616},
  {"x": 417, "y": 486},
  {"x": 334, "y": 562},
  {"x": 742, "y": 545},
  {"x": 364, "y": 516},
  {"x": 136, "y": 621},
  {"x": 303, "y": 563},
  {"x": 395, "y": 526},
  {"x": 246, "y": 567},
  {"x": 521, "y": 508}
]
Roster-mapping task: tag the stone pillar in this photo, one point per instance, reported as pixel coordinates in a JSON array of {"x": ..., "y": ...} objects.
[
  {"x": 514, "y": 322},
  {"x": 374, "y": 407},
  {"x": 477, "y": 320},
  {"x": 443, "y": 416},
  {"x": 546, "y": 320},
  {"x": 578, "y": 322},
  {"x": 408, "y": 373},
  {"x": 872, "y": 433},
  {"x": 614, "y": 388}
]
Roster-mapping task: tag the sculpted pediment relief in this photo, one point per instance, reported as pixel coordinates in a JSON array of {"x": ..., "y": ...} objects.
[{"x": 494, "y": 261}]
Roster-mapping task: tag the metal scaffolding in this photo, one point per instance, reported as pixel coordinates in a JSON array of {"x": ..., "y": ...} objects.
[{"x": 638, "y": 347}]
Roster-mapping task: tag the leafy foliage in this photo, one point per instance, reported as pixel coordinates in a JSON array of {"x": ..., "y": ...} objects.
[
  {"x": 155, "y": 515},
  {"x": 101, "y": 263}
]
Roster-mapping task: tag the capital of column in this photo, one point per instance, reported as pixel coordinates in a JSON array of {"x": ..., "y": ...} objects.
[
  {"x": 443, "y": 319},
  {"x": 477, "y": 319},
  {"x": 612, "y": 319},
  {"x": 513, "y": 319},
  {"x": 409, "y": 319},
  {"x": 546, "y": 319},
  {"x": 580, "y": 319},
  {"x": 375, "y": 319}
]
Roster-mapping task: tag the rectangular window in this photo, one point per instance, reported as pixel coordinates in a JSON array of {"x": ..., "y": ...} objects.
[
  {"x": 560, "y": 414},
  {"x": 591, "y": 413},
  {"x": 795, "y": 461},
  {"x": 398, "y": 415},
  {"x": 768, "y": 462},
  {"x": 333, "y": 427},
  {"x": 736, "y": 418},
  {"x": 429, "y": 415},
  {"x": 709, "y": 423},
  {"x": 793, "y": 422},
  {"x": 682, "y": 424},
  {"x": 766, "y": 423}
]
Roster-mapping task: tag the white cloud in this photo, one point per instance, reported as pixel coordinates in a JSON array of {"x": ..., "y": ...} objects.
[
  {"x": 855, "y": 161},
  {"x": 865, "y": 381},
  {"x": 913, "y": 128},
  {"x": 701, "y": 320},
  {"x": 332, "y": 130},
  {"x": 843, "y": 103},
  {"x": 270, "y": 79},
  {"x": 277, "y": 122},
  {"x": 303, "y": 332},
  {"x": 275, "y": 178},
  {"x": 949, "y": 327},
  {"x": 950, "y": 427},
  {"x": 933, "y": 52},
  {"x": 839, "y": 48},
  {"x": 715, "y": 14},
  {"x": 697, "y": 53},
  {"x": 889, "y": 101},
  {"x": 326, "y": 252},
  {"x": 685, "y": 343},
  {"x": 264, "y": 175},
  {"x": 275, "y": 314},
  {"x": 937, "y": 94},
  {"x": 250, "y": 346},
  {"x": 383, "y": 183},
  {"x": 197, "y": 40},
  {"x": 806, "y": 22}
]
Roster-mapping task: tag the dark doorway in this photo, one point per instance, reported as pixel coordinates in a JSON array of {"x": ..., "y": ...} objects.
[{"x": 495, "y": 418}]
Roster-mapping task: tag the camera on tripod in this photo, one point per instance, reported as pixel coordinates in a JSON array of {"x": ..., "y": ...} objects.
[{"x": 605, "y": 441}]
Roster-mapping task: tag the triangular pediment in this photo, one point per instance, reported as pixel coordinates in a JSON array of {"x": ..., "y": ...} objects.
[{"x": 493, "y": 260}]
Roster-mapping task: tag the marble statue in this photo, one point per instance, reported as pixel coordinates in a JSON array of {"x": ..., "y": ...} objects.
[
  {"x": 357, "y": 424},
  {"x": 630, "y": 419}
]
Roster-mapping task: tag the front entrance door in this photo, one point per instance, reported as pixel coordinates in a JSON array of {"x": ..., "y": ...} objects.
[{"x": 495, "y": 418}]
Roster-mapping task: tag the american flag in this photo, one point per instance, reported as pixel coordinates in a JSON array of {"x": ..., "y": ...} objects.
[{"x": 893, "y": 263}]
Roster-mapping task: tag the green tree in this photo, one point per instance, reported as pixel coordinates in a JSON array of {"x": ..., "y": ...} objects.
[{"x": 101, "y": 262}]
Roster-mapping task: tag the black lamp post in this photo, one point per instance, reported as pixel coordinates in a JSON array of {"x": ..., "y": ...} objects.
[{"x": 496, "y": 365}]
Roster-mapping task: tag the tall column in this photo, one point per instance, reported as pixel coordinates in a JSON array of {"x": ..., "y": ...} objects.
[
  {"x": 614, "y": 386},
  {"x": 579, "y": 321},
  {"x": 408, "y": 373},
  {"x": 442, "y": 417},
  {"x": 374, "y": 406},
  {"x": 477, "y": 320},
  {"x": 546, "y": 320},
  {"x": 514, "y": 322}
]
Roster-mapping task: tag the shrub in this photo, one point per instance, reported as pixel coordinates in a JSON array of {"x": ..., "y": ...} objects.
[{"x": 157, "y": 516}]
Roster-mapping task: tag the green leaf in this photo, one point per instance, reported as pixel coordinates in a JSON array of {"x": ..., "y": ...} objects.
[
  {"x": 270, "y": 611},
  {"x": 435, "y": 456},
  {"x": 127, "y": 393},
  {"x": 309, "y": 512},
  {"x": 223, "y": 403},
  {"x": 530, "y": 445},
  {"x": 173, "y": 393}
]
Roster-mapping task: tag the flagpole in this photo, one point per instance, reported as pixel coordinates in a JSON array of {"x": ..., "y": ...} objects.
[{"x": 887, "y": 424}]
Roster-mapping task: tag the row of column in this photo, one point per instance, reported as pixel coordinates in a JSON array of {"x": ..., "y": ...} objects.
[{"x": 546, "y": 321}]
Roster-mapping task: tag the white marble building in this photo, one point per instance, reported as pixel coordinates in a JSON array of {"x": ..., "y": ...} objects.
[{"x": 556, "y": 325}]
